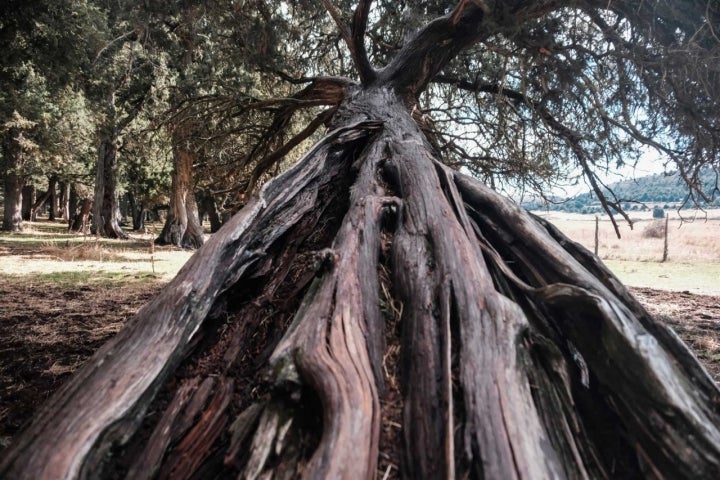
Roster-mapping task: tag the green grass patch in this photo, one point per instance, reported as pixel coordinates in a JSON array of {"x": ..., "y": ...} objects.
[
  {"x": 34, "y": 240},
  {"x": 78, "y": 278}
]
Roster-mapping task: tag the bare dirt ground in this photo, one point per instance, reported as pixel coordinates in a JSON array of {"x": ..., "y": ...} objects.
[
  {"x": 48, "y": 332},
  {"x": 696, "y": 318}
]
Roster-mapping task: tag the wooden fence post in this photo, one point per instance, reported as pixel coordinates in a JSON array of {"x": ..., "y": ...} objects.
[
  {"x": 665, "y": 247},
  {"x": 597, "y": 233}
]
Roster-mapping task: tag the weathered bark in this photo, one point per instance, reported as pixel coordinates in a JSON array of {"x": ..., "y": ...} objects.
[
  {"x": 54, "y": 198},
  {"x": 137, "y": 212},
  {"x": 65, "y": 211},
  {"x": 73, "y": 207},
  {"x": 14, "y": 180},
  {"x": 522, "y": 355},
  {"x": 182, "y": 227},
  {"x": 106, "y": 204},
  {"x": 139, "y": 217}
]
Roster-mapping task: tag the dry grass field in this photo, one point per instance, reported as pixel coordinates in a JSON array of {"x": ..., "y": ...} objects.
[
  {"x": 45, "y": 248},
  {"x": 693, "y": 262}
]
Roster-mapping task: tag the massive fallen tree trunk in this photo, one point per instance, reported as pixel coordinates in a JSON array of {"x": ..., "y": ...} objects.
[
  {"x": 273, "y": 350},
  {"x": 372, "y": 312}
]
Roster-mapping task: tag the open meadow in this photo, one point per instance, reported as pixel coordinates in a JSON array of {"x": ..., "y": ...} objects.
[
  {"x": 693, "y": 262},
  {"x": 64, "y": 295}
]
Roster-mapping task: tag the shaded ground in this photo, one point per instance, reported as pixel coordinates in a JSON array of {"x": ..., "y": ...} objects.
[
  {"x": 49, "y": 329},
  {"x": 696, "y": 318}
]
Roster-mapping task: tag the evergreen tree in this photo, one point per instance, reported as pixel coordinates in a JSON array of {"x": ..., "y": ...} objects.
[{"x": 45, "y": 48}]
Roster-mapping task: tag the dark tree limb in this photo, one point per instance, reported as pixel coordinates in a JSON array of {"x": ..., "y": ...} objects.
[
  {"x": 354, "y": 36},
  {"x": 272, "y": 158},
  {"x": 322, "y": 91},
  {"x": 360, "y": 56},
  {"x": 433, "y": 47}
]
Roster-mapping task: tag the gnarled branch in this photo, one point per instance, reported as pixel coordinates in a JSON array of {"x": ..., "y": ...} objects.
[
  {"x": 359, "y": 52},
  {"x": 355, "y": 37},
  {"x": 571, "y": 137}
]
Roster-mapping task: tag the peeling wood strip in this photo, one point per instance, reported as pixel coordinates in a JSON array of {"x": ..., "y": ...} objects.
[
  {"x": 447, "y": 396},
  {"x": 241, "y": 429},
  {"x": 262, "y": 443},
  {"x": 146, "y": 466},
  {"x": 187, "y": 457},
  {"x": 334, "y": 354}
]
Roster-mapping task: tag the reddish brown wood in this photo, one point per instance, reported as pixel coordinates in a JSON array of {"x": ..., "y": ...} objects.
[
  {"x": 106, "y": 205},
  {"x": 522, "y": 355}
]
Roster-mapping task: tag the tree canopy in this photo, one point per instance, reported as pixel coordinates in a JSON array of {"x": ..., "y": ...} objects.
[
  {"x": 539, "y": 94},
  {"x": 536, "y": 93}
]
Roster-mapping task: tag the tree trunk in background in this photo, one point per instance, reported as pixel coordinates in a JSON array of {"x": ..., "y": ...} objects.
[
  {"x": 139, "y": 219},
  {"x": 65, "y": 211},
  {"x": 73, "y": 206},
  {"x": 81, "y": 219},
  {"x": 137, "y": 211},
  {"x": 182, "y": 227},
  {"x": 207, "y": 206},
  {"x": 372, "y": 308},
  {"x": 14, "y": 181},
  {"x": 29, "y": 196},
  {"x": 54, "y": 198},
  {"x": 40, "y": 202},
  {"x": 106, "y": 204}
]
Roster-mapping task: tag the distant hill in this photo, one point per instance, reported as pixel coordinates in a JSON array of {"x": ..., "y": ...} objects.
[{"x": 665, "y": 191}]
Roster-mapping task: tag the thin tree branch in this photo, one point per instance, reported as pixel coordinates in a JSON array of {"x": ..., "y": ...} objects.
[
  {"x": 270, "y": 159},
  {"x": 337, "y": 17},
  {"x": 358, "y": 50},
  {"x": 293, "y": 80},
  {"x": 136, "y": 109},
  {"x": 355, "y": 37},
  {"x": 572, "y": 137},
  {"x": 132, "y": 35}
]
